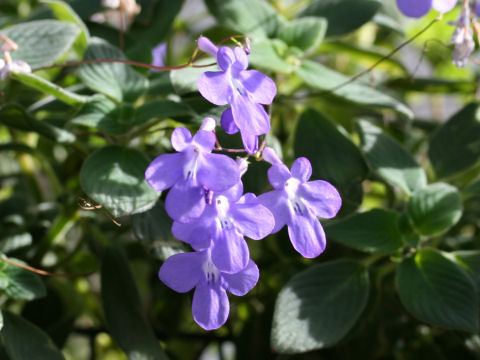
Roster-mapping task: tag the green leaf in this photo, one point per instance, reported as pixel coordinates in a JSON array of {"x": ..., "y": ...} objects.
[
  {"x": 470, "y": 260},
  {"x": 374, "y": 231},
  {"x": 13, "y": 242},
  {"x": 161, "y": 109},
  {"x": 100, "y": 113},
  {"x": 343, "y": 16},
  {"x": 4, "y": 280},
  {"x": 184, "y": 80},
  {"x": 255, "y": 18},
  {"x": 25, "y": 341},
  {"x": 455, "y": 146},
  {"x": 437, "y": 291},
  {"x": 114, "y": 176},
  {"x": 327, "y": 146},
  {"x": 305, "y": 33},
  {"x": 386, "y": 157},
  {"x": 64, "y": 12},
  {"x": 322, "y": 78},
  {"x": 116, "y": 80},
  {"x": 16, "y": 117},
  {"x": 318, "y": 306},
  {"x": 271, "y": 55},
  {"x": 41, "y": 43},
  {"x": 434, "y": 209},
  {"x": 125, "y": 318},
  {"x": 50, "y": 88},
  {"x": 23, "y": 284}
]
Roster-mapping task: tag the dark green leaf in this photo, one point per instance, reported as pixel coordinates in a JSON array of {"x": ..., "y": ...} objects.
[
  {"x": 23, "y": 284},
  {"x": 114, "y": 176},
  {"x": 343, "y": 16},
  {"x": 318, "y": 306},
  {"x": 161, "y": 109},
  {"x": 470, "y": 260},
  {"x": 322, "y": 78},
  {"x": 434, "y": 209},
  {"x": 25, "y": 341},
  {"x": 118, "y": 81},
  {"x": 372, "y": 231},
  {"x": 455, "y": 146},
  {"x": 304, "y": 33},
  {"x": 123, "y": 311},
  {"x": 437, "y": 291},
  {"x": 393, "y": 163},
  {"x": 184, "y": 80},
  {"x": 41, "y": 43}
]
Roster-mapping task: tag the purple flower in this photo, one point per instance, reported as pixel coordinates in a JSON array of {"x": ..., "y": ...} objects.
[
  {"x": 245, "y": 91},
  {"x": 191, "y": 173},
  {"x": 159, "y": 54},
  {"x": 297, "y": 203},
  {"x": 419, "y": 8},
  {"x": 210, "y": 307},
  {"x": 223, "y": 225}
]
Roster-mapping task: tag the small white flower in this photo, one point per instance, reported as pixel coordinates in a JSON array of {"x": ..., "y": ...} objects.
[
  {"x": 16, "y": 67},
  {"x": 462, "y": 38}
]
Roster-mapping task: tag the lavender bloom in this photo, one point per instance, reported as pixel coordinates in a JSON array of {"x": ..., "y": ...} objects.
[
  {"x": 192, "y": 172},
  {"x": 419, "y": 8},
  {"x": 297, "y": 203},
  {"x": 159, "y": 54},
  {"x": 223, "y": 224},
  {"x": 462, "y": 38},
  {"x": 245, "y": 91},
  {"x": 210, "y": 307}
]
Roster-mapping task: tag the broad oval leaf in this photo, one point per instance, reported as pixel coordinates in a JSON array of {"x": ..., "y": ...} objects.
[
  {"x": 41, "y": 43},
  {"x": 116, "y": 80},
  {"x": 126, "y": 321},
  {"x": 343, "y": 16},
  {"x": 270, "y": 54},
  {"x": 455, "y": 146},
  {"x": 114, "y": 176},
  {"x": 436, "y": 290},
  {"x": 319, "y": 140},
  {"x": 318, "y": 306},
  {"x": 470, "y": 260},
  {"x": 305, "y": 33},
  {"x": 23, "y": 284},
  {"x": 374, "y": 231},
  {"x": 322, "y": 78},
  {"x": 393, "y": 163},
  {"x": 434, "y": 209},
  {"x": 25, "y": 341}
]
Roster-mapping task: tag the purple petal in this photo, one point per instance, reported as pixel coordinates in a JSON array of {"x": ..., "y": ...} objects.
[
  {"x": 301, "y": 169},
  {"x": 217, "y": 172},
  {"x": 159, "y": 53},
  {"x": 443, "y": 5},
  {"x": 322, "y": 198},
  {"x": 248, "y": 116},
  {"x": 241, "y": 60},
  {"x": 232, "y": 194},
  {"x": 181, "y": 138},
  {"x": 242, "y": 282},
  {"x": 271, "y": 156},
  {"x": 250, "y": 142},
  {"x": 306, "y": 234},
  {"x": 278, "y": 174},
  {"x": 225, "y": 57},
  {"x": 207, "y": 46},
  {"x": 185, "y": 201},
  {"x": 227, "y": 122},
  {"x": 208, "y": 124},
  {"x": 230, "y": 251},
  {"x": 477, "y": 9},
  {"x": 260, "y": 87},
  {"x": 164, "y": 171},
  {"x": 276, "y": 202},
  {"x": 182, "y": 272},
  {"x": 197, "y": 233},
  {"x": 210, "y": 305},
  {"x": 414, "y": 8},
  {"x": 215, "y": 87},
  {"x": 253, "y": 219},
  {"x": 204, "y": 140}
]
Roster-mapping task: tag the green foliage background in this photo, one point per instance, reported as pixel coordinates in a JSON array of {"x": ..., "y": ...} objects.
[{"x": 401, "y": 273}]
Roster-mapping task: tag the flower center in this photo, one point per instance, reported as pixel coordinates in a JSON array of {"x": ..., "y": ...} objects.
[
  {"x": 211, "y": 272},
  {"x": 294, "y": 200},
  {"x": 190, "y": 168},
  {"x": 222, "y": 206}
]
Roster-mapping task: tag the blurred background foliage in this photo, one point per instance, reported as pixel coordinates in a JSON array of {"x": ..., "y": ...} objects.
[{"x": 400, "y": 276}]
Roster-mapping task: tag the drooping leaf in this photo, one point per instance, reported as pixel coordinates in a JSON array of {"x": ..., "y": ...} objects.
[
  {"x": 434, "y": 209},
  {"x": 305, "y": 33},
  {"x": 318, "y": 306},
  {"x": 41, "y": 43},
  {"x": 374, "y": 231},
  {"x": 126, "y": 320},
  {"x": 343, "y": 16},
  {"x": 100, "y": 113},
  {"x": 25, "y": 341},
  {"x": 116, "y": 80},
  {"x": 319, "y": 140},
  {"x": 455, "y": 146},
  {"x": 393, "y": 163},
  {"x": 161, "y": 109},
  {"x": 470, "y": 260},
  {"x": 436, "y": 290},
  {"x": 23, "y": 284},
  {"x": 114, "y": 176},
  {"x": 322, "y": 78}
]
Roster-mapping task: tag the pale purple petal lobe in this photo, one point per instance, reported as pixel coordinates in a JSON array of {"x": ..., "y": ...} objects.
[
  {"x": 307, "y": 235},
  {"x": 301, "y": 169},
  {"x": 225, "y": 57},
  {"x": 204, "y": 140},
  {"x": 260, "y": 87},
  {"x": 230, "y": 252},
  {"x": 182, "y": 272},
  {"x": 217, "y": 172},
  {"x": 210, "y": 305},
  {"x": 164, "y": 171},
  {"x": 215, "y": 87},
  {"x": 253, "y": 219},
  {"x": 248, "y": 116},
  {"x": 414, "y": 8},
  {"x": 181, "y": 138},
  {"x": 227, "y": 122},
  {"x": 322, "y": 198},
  {"x": 207, "y": 46},
  {"x": 277, "y": 204},
  {"x": 250, "y": 142},
  {"x": 185, "y": 201},
  {"x": 277, "y": 175},
  {"x": 242, "y": 282}
]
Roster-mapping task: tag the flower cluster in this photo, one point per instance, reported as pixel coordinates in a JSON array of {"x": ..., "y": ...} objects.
[{"x": 206, "y": 200}]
